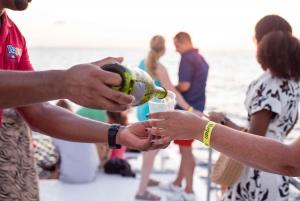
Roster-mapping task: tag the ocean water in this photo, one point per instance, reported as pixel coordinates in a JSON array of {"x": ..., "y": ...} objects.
[{"x": 230, "y": 73}]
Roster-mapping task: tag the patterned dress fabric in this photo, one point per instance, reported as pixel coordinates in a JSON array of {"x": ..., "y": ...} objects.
[
  {"x": 282, "y": 98},
  {"x": 18, "y": 173},
  {"x": 45, "y": 154}
]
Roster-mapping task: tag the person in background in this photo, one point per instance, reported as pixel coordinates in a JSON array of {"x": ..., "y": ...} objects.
[
  {"x": 193, "y": 72},
  {"x": 152, "y": 65},
  {"x": 272, "y": 104},
  {"x": 97, "y": 115},
  {"x": 78, "y": 161}
]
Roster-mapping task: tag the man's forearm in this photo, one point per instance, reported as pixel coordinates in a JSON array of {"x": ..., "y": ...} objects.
[
  {"x": 60, "y": 123},
  {"x": 19, "y": 88}
]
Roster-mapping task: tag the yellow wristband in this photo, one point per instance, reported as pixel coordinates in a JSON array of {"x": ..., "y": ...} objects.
[
  {"x": 207, "y": 133},
  {"x": 190, "y": 109}
]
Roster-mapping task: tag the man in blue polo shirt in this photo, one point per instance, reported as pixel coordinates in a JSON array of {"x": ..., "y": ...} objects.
[{"x": 193, "y": 71}]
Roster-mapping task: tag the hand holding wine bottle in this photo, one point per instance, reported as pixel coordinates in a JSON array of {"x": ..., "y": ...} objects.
[
  {"x": 88, "y": 85},
  {"x": 135, "y": 82}
]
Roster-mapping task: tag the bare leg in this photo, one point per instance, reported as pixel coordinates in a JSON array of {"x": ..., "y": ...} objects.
[
  {"x": 180, "y": 175},
  {"x": 148, "y": 160},
  {"x": 188, "y": 166}
]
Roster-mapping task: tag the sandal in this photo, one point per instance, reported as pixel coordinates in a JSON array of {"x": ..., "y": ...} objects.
[
  {"x": 153, "y": 182},
  {"x": 147, "y": 196}
]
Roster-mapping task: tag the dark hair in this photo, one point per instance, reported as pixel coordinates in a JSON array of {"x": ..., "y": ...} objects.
[
  {"x": 270, "y": 23},
  {"x": 181, "y": 36},
  {"x": 118, "y": 117},
  {"x": 280, "y": 52},
  {"x": 64, "y": 104}
]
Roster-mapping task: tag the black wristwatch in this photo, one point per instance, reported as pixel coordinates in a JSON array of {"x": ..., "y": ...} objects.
[
  {"x": 224, "y": 121},
  {"x": 112, "y": 133}
]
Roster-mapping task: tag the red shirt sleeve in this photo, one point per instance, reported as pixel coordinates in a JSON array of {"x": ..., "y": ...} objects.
[{"x": 24, "y": 63}]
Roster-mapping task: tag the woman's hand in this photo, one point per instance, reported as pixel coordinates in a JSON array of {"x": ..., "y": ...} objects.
[
  {"x": 135, "y": 136},
  {"x": 176, "y": 124},
  {"x": 216, "y": 116}
]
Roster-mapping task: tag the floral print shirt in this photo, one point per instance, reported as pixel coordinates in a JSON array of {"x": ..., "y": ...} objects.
[{"x": 282, "y": 98}]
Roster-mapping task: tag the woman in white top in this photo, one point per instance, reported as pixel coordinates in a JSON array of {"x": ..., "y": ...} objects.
[{"x": 272, "y": 105}]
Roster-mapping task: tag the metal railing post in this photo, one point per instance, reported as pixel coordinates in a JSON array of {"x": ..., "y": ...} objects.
[
  {"x": 208, "y": 176},
  {"x": 295, "y": 182}
]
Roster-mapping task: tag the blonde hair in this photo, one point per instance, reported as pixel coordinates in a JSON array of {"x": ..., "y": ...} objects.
[{"x": 157, "y": 44}]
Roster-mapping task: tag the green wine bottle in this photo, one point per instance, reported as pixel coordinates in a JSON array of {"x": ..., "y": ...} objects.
[{"x": 136, "y": 82}]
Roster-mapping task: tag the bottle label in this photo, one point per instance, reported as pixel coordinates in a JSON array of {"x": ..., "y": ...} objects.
[{"x": 138, "y": 92}]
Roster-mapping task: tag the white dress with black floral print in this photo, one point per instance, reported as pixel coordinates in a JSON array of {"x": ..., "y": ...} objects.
[{"x": 282, "y": 98}]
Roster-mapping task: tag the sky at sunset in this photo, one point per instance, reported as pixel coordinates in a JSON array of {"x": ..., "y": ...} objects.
[{"x": 131, "y": 23}]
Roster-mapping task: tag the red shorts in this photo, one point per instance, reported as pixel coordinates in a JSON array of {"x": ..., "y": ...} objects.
[
  {"x": 118, "y": 153},
  {"x": 184, "y": 143}
]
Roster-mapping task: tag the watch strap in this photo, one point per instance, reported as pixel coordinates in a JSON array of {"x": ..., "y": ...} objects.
[
  {"x": 112, "y": 133},
  {"x": 224, "y": 121}
]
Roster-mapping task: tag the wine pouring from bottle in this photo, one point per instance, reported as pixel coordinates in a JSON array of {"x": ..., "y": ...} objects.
[{"x": 136, "y": 82}]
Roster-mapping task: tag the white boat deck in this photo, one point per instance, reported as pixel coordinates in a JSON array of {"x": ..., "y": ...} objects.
[
  {"x": 117, "y": 188},
  {"x": 107, "y": 188}
]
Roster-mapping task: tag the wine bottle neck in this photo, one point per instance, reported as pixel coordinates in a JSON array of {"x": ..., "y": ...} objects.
[{"x": 160, "y": 92}]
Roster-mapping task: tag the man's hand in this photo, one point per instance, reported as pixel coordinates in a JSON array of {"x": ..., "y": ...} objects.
[
  {"x": 89, "y": 86},
  {"x": 136, "y": 137}
]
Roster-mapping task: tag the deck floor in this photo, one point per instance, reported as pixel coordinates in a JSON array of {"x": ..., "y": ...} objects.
[
  {"x": 117, "y": 188},
  {"x": 107, "y": 188}
]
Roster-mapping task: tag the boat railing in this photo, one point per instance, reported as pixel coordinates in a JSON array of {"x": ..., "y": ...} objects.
[{"x": 295, "y": 182}]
